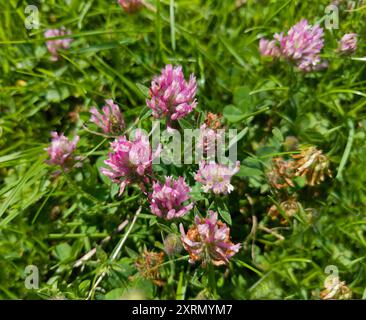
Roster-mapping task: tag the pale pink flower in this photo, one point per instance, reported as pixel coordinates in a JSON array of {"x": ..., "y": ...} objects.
[
  {"x": 171, "y": 96},
  {"x": 167, "y": 200},
  {"x": 302, "y": 40},
  {"x": 54, "y": 45},
  {"x": 61, "y": 150},
  {"x": 208, "y": 241},
  {"x": 312, "y": 64},
  {"x": 209, "y": 140},
  {"x": 130, "y": 161},
  {"x": 302, "y": 44},
  {"x": 130, "y": 6},
  {"x": 110, "y": 120},
  {"x": 348, "y": 44},
  {"x": 269, "y": 48},
  {"x": 216, "y": 177}
]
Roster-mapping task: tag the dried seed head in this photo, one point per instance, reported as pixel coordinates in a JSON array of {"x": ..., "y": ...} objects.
[
  {"x": 335, "y": 290},
  {"x": 281, "y": 174},
  {"x": 74, "y": 115},
  {"x": 289, "y": 207},
  {"x": 213, "y": 120},
  {"x": 312, "y": 164},
  {"x": 148, "y": 265},
  {"x": 211, "y": 136}
]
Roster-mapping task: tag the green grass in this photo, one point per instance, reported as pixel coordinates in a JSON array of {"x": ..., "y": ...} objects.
[{"x": 51, "y": 222}]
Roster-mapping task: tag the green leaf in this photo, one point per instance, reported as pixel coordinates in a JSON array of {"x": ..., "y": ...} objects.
[
  {"x": 114, "y": 189},
  {"x": 278, "y": 134},
  {"x": 185, "y": 124},
  {"x": 114, "y": 294},
  {"x": 249, "y": 172},
  {"x": 181, "y": 288},
  {"x": 57, "y": 95},
  {"x": 242, "y": 98},
  {"x": 196, "y": 193},
  {"x": 364, "y": 294},
  {"x": 131, "y": 253},
  {"x": 53, "y": 95},
  {"x": 100, "y": 164},
  {"x": 300, "y": 181},
  {"x": 225, "y": 215},
  {"x": 145, "y": 113},
  {"x": 101, "y": 254},
  {"x": 63, "y": 251},
  {"x": 233, "y": 114},
  {"x": 143, "y": 89},
  {"x": 84, "y": 286}
]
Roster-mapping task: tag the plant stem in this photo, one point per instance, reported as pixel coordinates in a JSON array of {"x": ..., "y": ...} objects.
[
  {"x": 211, "y": 279},
  {"x": 347, "y": 150},
  {"x": 115, "y": 253}
]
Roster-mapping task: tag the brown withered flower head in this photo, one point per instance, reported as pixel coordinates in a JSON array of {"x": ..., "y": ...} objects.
[
  {"x": 335, "y": 290},
  {"x": 208, "y": 241},
  {"x": 281, "y": 173},
  {"x": 213, "y": 120},
  {"x": 148, "y": 266},
  {"x": 130, "y": 6},
  {"x": 312, "y": 164},
  {"x": 289, "y": 207},
  {"x": 74, "y": 115}
]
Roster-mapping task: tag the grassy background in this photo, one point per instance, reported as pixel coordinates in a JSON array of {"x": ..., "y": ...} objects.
[{"x": 51, "y": 222}]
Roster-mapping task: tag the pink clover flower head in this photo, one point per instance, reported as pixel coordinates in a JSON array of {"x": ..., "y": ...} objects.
[
  {"x": 130, "y": 161},
  {"x": 216, "y": 177},
  {"x": 209, "y": 140},
  {"x": 171, "y": 96},
  {"x": 54, "y": 45},
  {"x": 302, "y": 40},
  {"x": 110, "y": 120},
  {"x": 348, "y": 44},
  {"x": 167, "y": 200},
  {"x": 61, "y": 150},
  {"x": 302, "y": 44},
  {"x": 269, "y": 48}
]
